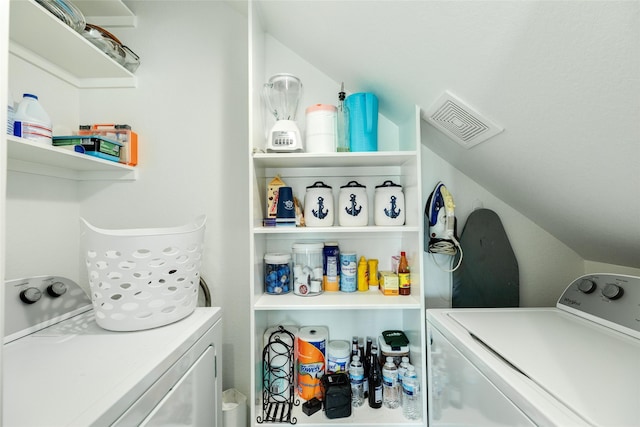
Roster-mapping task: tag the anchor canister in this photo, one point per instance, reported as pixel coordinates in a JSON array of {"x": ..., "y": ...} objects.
[
  {"x": 318, "y": 205},
  {"x": 311, "y": 353},
  {"x": 353, "y": 205},
  {"x": 389, "y": 204}
]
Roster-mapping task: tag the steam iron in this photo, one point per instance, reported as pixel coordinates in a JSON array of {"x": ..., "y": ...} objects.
[{"x": 441, "y": 226}]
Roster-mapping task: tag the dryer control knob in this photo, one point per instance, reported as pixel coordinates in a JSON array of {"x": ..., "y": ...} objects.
[
  {"x": 56, "y": 289},
  {"x": 587, "y": 286},
  {"x": 30, "y": 295},
  {"x": 612, "y": 291}
]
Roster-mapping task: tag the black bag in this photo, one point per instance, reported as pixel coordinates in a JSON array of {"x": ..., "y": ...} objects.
[{"x": 337, "y": 395}]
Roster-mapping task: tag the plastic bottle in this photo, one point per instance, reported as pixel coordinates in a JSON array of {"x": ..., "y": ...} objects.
[
  {"x": 402, "y": 371},
  {"x": 342, "y": 123},
  {"x": 375, "y": 380},
  {"x": 11, "y": 115},
  {"x": 404, "y": 277},
  {"x": 390, "y": 391},
  {"x": 356, "y": 377},
  {"x": 363, "y": 275},
  {"x": 373, "y": 274},
  {"x": 32, "y": 121},
  {"x": 411, "y": 400}
]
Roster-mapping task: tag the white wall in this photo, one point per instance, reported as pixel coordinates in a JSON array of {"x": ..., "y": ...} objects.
[
  {"x": 546, "y": 265},
  {"x": 190, "y": 111},
  {"x": 599, "y": 267}
]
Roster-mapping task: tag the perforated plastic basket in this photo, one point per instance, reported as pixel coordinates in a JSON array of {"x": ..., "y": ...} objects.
[{"x": 143, "y": 278}]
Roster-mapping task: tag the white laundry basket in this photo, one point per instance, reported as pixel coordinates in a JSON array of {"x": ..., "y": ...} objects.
[{"x": 143, "y": 278}]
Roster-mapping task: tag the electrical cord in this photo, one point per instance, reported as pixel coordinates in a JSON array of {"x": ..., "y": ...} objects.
[{"x": 445, "y": 247}]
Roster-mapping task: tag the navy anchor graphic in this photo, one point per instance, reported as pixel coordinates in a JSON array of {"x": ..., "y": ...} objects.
[
  {"x": 318, "y": 213},
  {"x": 353, "y": 211},
  {"x": 392, "y": 213}
]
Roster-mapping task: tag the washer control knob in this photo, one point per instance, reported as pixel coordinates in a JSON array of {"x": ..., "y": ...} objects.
[
  {"x": 56, "y": 289},
  {"x": 30, "y": 295},
  {"x": 612, "y": 291},
  {"x": 587, "y": 286}
]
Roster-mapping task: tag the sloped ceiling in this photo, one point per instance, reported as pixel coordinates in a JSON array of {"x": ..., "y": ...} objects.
[{"x": 561, "y": 77}]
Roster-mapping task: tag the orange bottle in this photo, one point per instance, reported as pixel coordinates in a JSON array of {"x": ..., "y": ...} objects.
[{"x": 404, "y": 277}]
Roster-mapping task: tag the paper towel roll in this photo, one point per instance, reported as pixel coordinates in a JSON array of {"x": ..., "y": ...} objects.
[
  {"x": 279, "y": 356},
  {"x": 311, "y": 345}
]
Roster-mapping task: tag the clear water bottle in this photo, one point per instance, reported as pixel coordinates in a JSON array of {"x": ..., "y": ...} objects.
[
  {"x": 356, "y": 377},
  {"x": 411, "y": 400},
  {"x": 390, "y": 390},
  {"x": 402, "y": 370}
]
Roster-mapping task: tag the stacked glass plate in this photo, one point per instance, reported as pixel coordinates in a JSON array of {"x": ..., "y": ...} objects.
[{"x": 66, "y": 12}]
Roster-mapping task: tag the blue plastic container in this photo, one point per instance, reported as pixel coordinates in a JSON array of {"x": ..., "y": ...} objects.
[{"x": 363, "y": 121}]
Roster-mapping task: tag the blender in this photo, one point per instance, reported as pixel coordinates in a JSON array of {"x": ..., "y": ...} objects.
[{"x": 282, "y": 94}]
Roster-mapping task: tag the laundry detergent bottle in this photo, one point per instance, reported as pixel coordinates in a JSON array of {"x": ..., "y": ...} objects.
[{"x": 32, "y": 121}]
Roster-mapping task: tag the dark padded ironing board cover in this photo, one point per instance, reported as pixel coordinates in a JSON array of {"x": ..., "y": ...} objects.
[{"x": 488, "y": 275}]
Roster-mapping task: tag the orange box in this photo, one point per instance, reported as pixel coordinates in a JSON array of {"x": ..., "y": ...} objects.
[{"x": 120, "y": 133}]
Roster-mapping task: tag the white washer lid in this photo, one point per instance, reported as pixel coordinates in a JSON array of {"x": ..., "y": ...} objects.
[
  {"x": 75, "y": 373},
  {"x": 591, "y": 369}
]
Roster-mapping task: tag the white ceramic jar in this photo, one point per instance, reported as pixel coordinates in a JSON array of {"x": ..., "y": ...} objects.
[
  {"x": 353, "y": 205},
  {"x": 389, "y": 204},
  {"x": 318, "y": 205}
]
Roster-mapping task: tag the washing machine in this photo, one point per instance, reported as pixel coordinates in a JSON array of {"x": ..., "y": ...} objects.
[
  {"x": 575, "y": 364},
  {"x": 62, "y": 369}
]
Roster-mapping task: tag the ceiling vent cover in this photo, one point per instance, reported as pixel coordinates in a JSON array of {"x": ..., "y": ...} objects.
[{"x": 459, "y": 121}]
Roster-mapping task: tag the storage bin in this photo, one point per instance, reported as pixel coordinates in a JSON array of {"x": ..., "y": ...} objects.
[
  {"x": 307, "y": 268},
  {"x": 143, "y": 278}
]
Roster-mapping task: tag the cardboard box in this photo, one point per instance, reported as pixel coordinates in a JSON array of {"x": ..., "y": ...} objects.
[{"x": 389, "y": 284}]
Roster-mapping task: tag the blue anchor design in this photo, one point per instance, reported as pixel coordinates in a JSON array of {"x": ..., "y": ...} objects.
[
  {"x": 318, "y": 213},
  {"x": 353, "y": 211},
  {"x": 392, "y": 213}
]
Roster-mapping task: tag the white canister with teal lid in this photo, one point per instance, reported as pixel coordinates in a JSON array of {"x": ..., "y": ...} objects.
[
  {"x": 353, "y": 205},
  {"x": 389, "y": 204},
  {"x": 318, "y": 205}
]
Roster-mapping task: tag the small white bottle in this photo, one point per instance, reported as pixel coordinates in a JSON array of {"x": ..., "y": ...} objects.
[
  {"x": 411, "y": 400},
  {"x": 390, "y": 390},
  {"x": 32, "y": 121},
  {"x": 356, "y": 377}
]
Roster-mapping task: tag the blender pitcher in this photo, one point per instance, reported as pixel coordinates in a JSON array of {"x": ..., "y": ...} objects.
[{"x": 282, "y": 94}]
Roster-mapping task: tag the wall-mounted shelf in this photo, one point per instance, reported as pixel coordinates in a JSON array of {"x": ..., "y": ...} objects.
[
  {"x": 43, "y": 40},
  {"x": 40, "y": 159}
]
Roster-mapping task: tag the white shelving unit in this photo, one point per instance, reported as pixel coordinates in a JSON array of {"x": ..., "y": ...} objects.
[
  {"x": 344, "y": 314},
  {"x": 44, "y": 41}
]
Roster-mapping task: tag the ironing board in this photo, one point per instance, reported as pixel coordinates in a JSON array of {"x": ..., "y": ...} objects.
[{"x": 488, "y": 275}]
